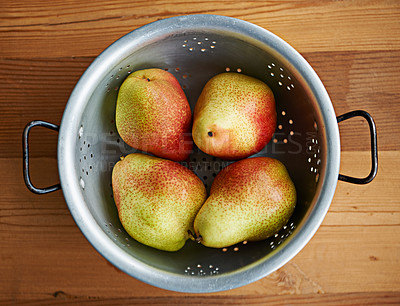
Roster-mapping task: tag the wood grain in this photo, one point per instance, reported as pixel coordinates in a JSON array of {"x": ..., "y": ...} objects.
[
  {"x": 353, "y": 45},
  {"x": 74, "y": 28},
  {"x": 384, "y": 298},
  {"x": 352, "y": 239},
  {"x": 354, "y": 80}
]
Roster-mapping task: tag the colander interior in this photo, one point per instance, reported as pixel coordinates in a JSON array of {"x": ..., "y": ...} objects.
[{"x": 194, "y": 57}]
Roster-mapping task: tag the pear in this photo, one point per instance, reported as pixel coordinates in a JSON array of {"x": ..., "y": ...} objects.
[
  {"x": 157, "y": 200},
  {"x": 250, "y": 200},
  {"x": 234, "y": 116},
  {"x": 153, "y": 114}
]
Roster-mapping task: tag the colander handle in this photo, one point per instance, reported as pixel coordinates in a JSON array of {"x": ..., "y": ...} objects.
[
  {"x": 374, "y": 147},
  {"x": 25, "y": 139}
]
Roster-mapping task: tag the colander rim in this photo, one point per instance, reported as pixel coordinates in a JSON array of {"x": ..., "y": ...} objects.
[{"x": 69, "y": 175}]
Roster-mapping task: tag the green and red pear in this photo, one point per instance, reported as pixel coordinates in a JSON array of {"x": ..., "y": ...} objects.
[
  {"x": 250, "y": 200},
  {"x": 234, "y": 116},
  {"x": 157, "y": 200},
  {"x": 153, "y": 114}
]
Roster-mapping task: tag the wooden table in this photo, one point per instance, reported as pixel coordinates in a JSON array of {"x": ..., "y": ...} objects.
[{"x": 354, "y": 46}]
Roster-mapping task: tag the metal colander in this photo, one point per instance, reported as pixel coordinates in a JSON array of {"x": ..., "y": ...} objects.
[{"x": 195, "y": 48}]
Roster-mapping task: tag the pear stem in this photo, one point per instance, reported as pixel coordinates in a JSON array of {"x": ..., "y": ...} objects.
[
  {"x": 191, "y": 235},
  {"x": 199, "y": 239}
]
